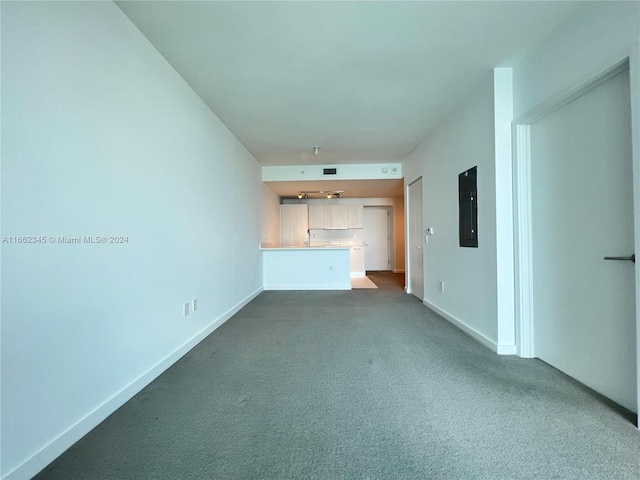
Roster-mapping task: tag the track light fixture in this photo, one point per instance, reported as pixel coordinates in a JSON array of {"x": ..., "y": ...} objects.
[{"x": 327, "y": 193}]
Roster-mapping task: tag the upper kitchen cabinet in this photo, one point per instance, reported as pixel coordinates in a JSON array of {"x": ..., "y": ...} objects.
[
  {"x": 294, "y": 221},
  {"x": 355, "y": 214},
  {"x": 316, "y": 216},
  {"x": 336, "y": 217}
]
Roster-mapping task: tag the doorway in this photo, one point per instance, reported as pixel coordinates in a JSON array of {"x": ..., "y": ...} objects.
[
  {"x": 581, "y": 210},
  {"x": 376, "y": 234},
  {"x": 414, "y": 240}
]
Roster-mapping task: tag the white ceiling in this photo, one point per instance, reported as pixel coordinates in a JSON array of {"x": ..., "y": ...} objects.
[{"x": 363, "y": 80}]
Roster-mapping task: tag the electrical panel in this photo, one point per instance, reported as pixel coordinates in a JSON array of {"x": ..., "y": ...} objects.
[{"x": 468, "y": 207}]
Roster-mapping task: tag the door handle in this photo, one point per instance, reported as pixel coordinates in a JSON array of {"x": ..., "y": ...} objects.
[{"x": 632, "y": 258}]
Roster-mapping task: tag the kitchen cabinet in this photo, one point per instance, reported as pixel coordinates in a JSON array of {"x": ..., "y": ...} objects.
[
  {"x": 294, "y": 222},
  {"x": 356, "y": 261},
  {"x": 355, "y": 214},
  {"x": 336, "y": 217},
  {"x": 316, "y": 216}
]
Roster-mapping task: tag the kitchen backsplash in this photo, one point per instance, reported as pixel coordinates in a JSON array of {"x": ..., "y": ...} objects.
[{"x": 338, "y": 237}]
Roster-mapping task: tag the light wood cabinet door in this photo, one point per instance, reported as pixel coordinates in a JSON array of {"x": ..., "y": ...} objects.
[
  {"x": 316, "y": 216},
  {"x": 294, "y": 220},
  {"x": 355, "y": 216},
  {"x": 336, "y": 217}
]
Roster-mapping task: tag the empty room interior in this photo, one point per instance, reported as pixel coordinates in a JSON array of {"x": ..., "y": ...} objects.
[{"x": 320, "y": 239}]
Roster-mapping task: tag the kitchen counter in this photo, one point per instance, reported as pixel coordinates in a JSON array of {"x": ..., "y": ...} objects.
[
  {"x": 339, "y": 245},
  {"x": 306, "y": 268},
  {"x": 324, "y": 247}
]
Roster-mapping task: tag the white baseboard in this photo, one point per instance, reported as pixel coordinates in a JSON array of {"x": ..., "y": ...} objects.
[
  {"x": 346, "y": 286},
  {"x": 75, "y": 432},
  {"x": 487, "y": 342},
  {"x": 358, "y": 274},
  {"x": 507, "y": 350}
]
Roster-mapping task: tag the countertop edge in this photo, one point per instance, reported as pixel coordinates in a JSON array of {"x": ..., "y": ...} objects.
[{"x": 266, "y": 249}]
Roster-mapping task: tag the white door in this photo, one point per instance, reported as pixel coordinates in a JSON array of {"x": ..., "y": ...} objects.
[
  {"x": 582, "y": 211},
  {"x": 416, "y": 266},
  {"x": 376, "y": 238}
]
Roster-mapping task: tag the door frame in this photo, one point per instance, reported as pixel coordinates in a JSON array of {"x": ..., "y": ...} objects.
[
  {"x": 523, "y": 234},
  {"x": 407, "y": 236}
]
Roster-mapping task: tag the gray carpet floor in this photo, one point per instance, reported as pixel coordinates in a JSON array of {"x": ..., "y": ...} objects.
[{"x": 362, "y": 384}]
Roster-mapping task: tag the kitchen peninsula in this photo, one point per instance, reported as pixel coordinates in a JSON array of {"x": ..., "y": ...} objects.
[
  {"x": 320, "y": 248},
  {"x": 306, "y": 268}
]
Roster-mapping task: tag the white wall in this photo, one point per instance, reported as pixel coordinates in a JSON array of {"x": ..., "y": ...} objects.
[
  {"x": 505, "y": 260},
  {"x": 584, "y": 44},
  {"x": 102, "y": 137},
  {"x": 478, "y": 283},
  {"x": 463, "y": 140}
]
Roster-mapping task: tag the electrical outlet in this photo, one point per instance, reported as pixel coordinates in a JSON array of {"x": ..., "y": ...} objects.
[
  {"x": 186, "y": 309},
  {"x": 442, "y": 286},
  {"x": 195, "y": 304},
  {"x": 331, "y": 269}
]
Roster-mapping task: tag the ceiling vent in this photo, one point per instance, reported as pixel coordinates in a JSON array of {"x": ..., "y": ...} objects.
[{"x": 329, "y": 171}]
